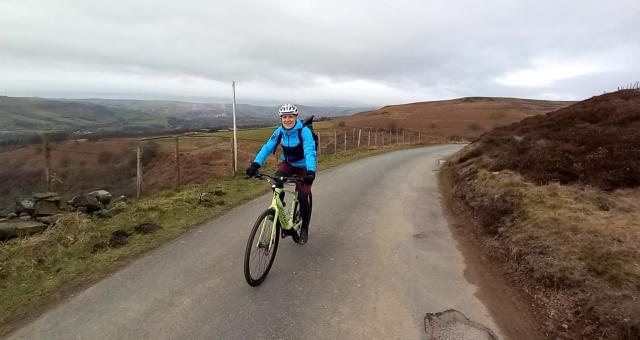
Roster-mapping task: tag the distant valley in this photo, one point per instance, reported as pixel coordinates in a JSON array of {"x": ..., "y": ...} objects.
[{"x": 23, "y": 118}]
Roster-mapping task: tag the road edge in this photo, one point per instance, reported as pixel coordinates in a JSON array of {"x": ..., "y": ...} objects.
[{"x": 507, "y": 306}]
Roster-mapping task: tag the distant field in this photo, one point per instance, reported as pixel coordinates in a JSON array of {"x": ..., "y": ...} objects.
[
  {"x": 22, "y": 118},
  {"x": 465, "y": 117},
  {"x": 263, "y": 133}
]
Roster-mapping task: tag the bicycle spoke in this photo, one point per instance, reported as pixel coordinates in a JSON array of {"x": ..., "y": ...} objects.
[
  {"x": 261, "y": 252},
  {"x": 261, "y": 247},
  {"x": 258, "y": 259}
]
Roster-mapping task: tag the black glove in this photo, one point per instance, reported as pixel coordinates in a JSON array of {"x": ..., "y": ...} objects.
[
  {"x": 253, "y": 169},
  {"x": 309, "y": 177}
]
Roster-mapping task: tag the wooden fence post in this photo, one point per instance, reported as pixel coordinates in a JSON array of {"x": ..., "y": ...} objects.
[
  {"x": 369, "y": 142},
  {"x": 319, "y": 143},
  {"x": 233, "y": 159},
  {"x": 375, "y": 137},
  {"x": 177, "y": 140},
  {"x": 353, "y": 138},
  {"x": 335, "y": 142},
  {"x": 139, "y": 171},
  {"x": 359, "y": 135},
  {"x": 47, "y": 160},
  {"x": 345, "y": 140}
]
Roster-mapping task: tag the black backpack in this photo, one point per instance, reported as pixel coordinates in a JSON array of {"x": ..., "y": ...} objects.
[{"x": 308, "y": 123}]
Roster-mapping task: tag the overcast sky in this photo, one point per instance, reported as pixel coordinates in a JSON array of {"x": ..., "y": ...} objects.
[{"x": 328, "y": 52}]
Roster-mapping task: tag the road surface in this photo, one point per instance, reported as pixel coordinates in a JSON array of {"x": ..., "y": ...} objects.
[{"x": 380, "y": 256}]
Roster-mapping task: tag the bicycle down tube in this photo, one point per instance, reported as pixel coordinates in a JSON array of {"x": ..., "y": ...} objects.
[{"x": 286, "y": 222}]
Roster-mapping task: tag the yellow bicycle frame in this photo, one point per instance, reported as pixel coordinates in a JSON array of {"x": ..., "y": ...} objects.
[{"x": 285, "y": 219}]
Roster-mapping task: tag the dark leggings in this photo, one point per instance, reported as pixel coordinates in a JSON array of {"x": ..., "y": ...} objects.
[{"x": 287, "y": 170}]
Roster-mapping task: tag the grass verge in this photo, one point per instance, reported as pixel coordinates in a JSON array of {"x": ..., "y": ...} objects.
[
  {"x": 574, "y": 250},
  {"x": 39, "y": 270}
]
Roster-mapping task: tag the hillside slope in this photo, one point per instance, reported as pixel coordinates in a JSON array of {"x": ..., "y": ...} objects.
[
  {"x": 594, "y": 142},
  {"x": 38, "y": 114},
  {"x": 167, "y": 108},
  {"x": 23, "y": 118},
  {"x": 465, "y": 117},
  {"x": 555, "y": 201}
]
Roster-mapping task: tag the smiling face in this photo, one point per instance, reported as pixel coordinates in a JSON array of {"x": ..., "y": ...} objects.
[{"x": 288, "y": 121}]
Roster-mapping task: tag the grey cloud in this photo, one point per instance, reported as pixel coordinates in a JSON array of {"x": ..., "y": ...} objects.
[{"x": 323, "y": 52}]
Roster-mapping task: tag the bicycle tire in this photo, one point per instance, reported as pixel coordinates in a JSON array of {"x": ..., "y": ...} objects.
[
  {"x": 295, "y": 234},
  {"x": 257, "y": 251}
]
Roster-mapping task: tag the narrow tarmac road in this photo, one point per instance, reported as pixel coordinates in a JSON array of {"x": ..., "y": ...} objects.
[{"x": 380, "y": 256}]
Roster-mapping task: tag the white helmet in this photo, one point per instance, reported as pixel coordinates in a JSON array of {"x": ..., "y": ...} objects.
[{"x": 288, "y": 109}]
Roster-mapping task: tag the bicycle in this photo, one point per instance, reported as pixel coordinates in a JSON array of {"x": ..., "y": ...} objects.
[{"x": 274, "y": 222}]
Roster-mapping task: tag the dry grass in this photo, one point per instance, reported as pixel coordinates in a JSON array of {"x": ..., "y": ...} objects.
[
  {"x": 465, "y": 117},
  {"x": 594, "y": 233},
  {"x": 31, "y": 266},
  {"x": 577, "y": 241}
]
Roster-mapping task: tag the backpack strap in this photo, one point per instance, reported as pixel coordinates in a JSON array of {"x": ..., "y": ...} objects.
[
  {"x": 308, "y": 122},
  {"x": 313, "y": 134},
  {"x": 275, "y": 148}
]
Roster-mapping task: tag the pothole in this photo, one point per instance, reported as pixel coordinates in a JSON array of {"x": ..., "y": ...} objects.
[{"x": 453, "y": 325}]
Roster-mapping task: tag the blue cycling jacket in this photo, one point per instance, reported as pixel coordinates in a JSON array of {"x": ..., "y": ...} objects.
[{"x": 301, "y": 154}]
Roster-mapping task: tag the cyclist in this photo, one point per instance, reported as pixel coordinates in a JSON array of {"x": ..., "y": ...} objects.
[{"x": 298, "y": 158}]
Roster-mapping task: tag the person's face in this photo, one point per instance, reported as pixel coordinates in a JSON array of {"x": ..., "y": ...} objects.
[{"x": 288, "y": 121}]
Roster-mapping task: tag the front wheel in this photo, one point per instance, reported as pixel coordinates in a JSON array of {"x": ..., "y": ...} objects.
[{"x": 261, "y": 248}]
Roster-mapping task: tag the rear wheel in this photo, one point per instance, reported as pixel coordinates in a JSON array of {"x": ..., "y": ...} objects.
[
  {"x": 310, "y": 201},
  {"x": 261, "y": 248},
  {"x": 295, "y": 234},
  {"x": 298, "y": 218}
]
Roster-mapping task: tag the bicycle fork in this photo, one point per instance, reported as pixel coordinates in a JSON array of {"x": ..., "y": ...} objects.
[
  {"x": 276, "y": 205},
  {"x": 279, "y": 217}
]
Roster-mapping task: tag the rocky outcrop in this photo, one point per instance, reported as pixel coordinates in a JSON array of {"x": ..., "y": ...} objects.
[
  {"x": 20, "y": 228},
  {"x": 88, "y": 202},
  {"x": 25, "y": 205},
  {"x": 33, "y": 214},
  {"x": 46, "y": 208},
  {"x": 99, "y": 203},
  {"x": 102, "y": 196},
  {"x": 49, "y": 219}
]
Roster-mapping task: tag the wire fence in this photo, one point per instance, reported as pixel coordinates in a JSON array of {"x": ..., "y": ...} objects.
[
  {"x": 630, "y": 86},
  {"x": 134, "y": 167}
]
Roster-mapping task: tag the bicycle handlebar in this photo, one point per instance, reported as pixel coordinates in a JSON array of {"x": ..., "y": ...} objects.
[{"x": 261, "y": 175}]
